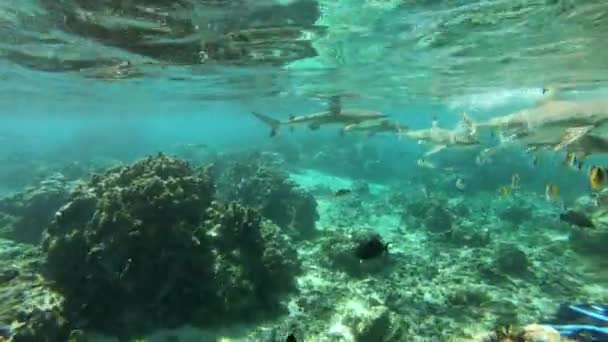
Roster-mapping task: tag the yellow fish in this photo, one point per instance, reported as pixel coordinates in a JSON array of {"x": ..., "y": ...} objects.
[
  {"x": 505, "y": 190},
  {"x": 551, "y": 192},
  {"x": 597, "y": 177}
]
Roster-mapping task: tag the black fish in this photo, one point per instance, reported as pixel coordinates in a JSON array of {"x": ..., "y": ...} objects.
[
  {"x": 291, "y": 338},
  {"x": 576, "y": 218},
  {"x": 371, "y": 248},
  {"x": 342, "y": 192}
]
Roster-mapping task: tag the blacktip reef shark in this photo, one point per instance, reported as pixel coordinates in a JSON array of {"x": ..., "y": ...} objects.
[
  {"x": 576, "y": 141},
  {"x": 442, "y": 137},
  {"x": 373, "y": 127},
  {"x": 335, "y": 115},
  {"x": 550, "y": 122}
]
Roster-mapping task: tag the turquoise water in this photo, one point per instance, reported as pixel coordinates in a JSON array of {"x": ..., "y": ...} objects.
[{"x": 140, "y": 199}]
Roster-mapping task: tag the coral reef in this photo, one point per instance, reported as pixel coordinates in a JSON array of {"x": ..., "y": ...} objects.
[
  {"x": 25, "y": 215},
  {"x": 252, "y": 262},
  {"x": 142, "y": 246},
  {"x": 34, "y": 312},
  {"x": 255, "y": 182}
]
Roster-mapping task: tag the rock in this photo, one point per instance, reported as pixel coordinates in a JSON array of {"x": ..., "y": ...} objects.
[
  {"x": 511, "y": 260},
  {"x": 27, "y": 214},
  {"x": 590, "y": 242}
]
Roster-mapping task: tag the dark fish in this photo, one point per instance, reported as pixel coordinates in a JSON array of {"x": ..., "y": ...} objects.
[
  {"x": 576, "y": 218},
  {"x": 342, "y": 192},
  {"x": 291, "y": 338},
  {"x": 371, "y": 248}
]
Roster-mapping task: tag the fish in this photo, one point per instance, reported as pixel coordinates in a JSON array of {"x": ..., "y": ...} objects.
[
  {"x": 597, "y": 177},
  {"x": 371, "y": 248},
  {"x": 576, "y": 218},
  {"x": 342, "y": 192},
  {"x": 573, "y": 161},
  {"x": 535, "y": 160},
  {"x": 485, "y": 156},
  {"x": 335, "y": 115},
  {"x": 505, "y": 190},
  {"x": 575, "y": 141},
  {"x": 460, "y": 184},
  {"x": 441, "y": 138},
  {"x": 291, "y": 338},
  {"x": 373, "y": 127},
  {"x": 551, "y": 192},
  {"x": 554, "y": 123},
  {"x": 515, "y": 180},
  {"x": 425, "y": 164}
]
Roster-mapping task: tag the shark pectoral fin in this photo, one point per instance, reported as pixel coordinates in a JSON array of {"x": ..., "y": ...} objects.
[
  {"x": 291, "y": 128},
  {"x": 314, "y": 126},
  {"x": 571, "y": 135},
  {"x": 435, "y": 150},
  {"x": 371, "y": 134}
]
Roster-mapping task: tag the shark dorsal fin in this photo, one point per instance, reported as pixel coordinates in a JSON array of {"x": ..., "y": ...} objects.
[
  {"x": 291, "y": 117},
  {"x": 435, "y": 122},
  {"x": 335, "y": 105},
  {"x": 549, "y": 93}
]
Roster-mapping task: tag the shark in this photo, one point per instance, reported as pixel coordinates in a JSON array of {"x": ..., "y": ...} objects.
[
  {"x": 442, "y": 137},
  {"x": 550, "y": 122},
  {"x": 373, "y": 127},
  {"x": 574, "y": 140},
  {"x": 334, "y": 115}
]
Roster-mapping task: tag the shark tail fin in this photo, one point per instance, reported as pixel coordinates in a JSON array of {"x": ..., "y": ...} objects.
[{"x": 274, "y": 124}]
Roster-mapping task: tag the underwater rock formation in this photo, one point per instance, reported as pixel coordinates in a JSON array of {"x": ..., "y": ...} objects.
[
  {"x": 377, "y": 324},
  {"x": 268, "y": 189},
  {"x": 25, "y": 215},
  {"x": 516, "y": 214},
  {"x": 143, "y": 246},
  {"x": 360, "y": 187},
  {"x": 511, "y": 260},
  {"x": 590, "y": 242},
  {"x": 438, "y": 219}
]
